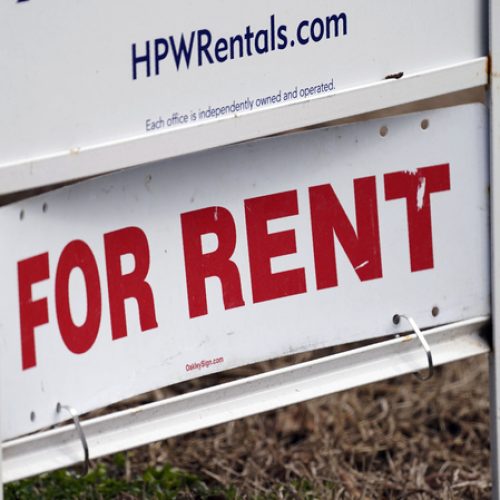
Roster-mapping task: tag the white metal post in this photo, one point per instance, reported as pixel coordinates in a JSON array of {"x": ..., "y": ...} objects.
[{"x": 494, "y": 23}]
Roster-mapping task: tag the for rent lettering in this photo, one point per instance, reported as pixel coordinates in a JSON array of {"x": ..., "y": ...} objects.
[
  {"x": 78, "y": 255},
  {"x": 358, "y": 234},
  {"x": 360, "y": 239}
]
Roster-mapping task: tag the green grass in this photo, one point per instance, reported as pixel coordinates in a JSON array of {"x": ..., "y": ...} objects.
[{"x": 108, "y": 482}]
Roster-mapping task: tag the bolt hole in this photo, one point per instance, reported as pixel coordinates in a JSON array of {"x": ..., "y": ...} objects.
[
  {"x": 21, "y": 215},
  {"x": 383, "y": 131},
  {"x": 44, "y": 207},
  {"x": 58, "y": 408},
  {"x": 32, "y": 416},
  {"x": 396, "y": 319},
  {"x": 435, "y": 311},
  {"x": 424, "y": 124}
]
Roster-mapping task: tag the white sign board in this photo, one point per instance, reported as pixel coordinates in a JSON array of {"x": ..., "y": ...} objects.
[
  {"x": 82, "y": 74},
  {"x": 174, "y": 270}
]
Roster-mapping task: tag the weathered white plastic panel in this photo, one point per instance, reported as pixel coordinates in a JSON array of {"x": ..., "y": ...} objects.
[
  {"x": 69, "y": 86},
  {"x": 275, "y": 178}
]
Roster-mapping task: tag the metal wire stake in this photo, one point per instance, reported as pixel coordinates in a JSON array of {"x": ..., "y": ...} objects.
[
  {"x": 83, "y": 439},
  {"x": 425, "y": 345}
]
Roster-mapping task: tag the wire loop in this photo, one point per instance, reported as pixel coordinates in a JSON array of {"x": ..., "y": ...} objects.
[
  {"x": 83, "y": 439},
  {"x": 425, "y": 345}
]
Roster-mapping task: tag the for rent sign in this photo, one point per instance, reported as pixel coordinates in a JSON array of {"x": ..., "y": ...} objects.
[{"x": 149, "y": 277}]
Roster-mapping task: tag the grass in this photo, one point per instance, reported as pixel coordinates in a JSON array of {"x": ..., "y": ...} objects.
[
  {"x": 106, "y": 482},
  {"x": 166, "y": 483}
]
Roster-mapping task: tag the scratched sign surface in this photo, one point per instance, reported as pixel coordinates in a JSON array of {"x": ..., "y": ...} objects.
[
  {"x": 174, "y": 270},
  {"x": 82, "y": 74}
]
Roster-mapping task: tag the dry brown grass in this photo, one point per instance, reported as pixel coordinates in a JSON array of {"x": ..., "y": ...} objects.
[{"x": 396, "y": 439}]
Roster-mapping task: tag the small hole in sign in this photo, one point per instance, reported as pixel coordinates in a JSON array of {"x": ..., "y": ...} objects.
[
  {"x": 396, "y": 319},
  {"x": 32, "y": 416},
  {"x": 21, "y": 215},
  {"x": 44, "y": 207},
  {"x": 383, "y": 131},
  {"x": 435, "y": 311},
  {"x": 424, "y": 124}
]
